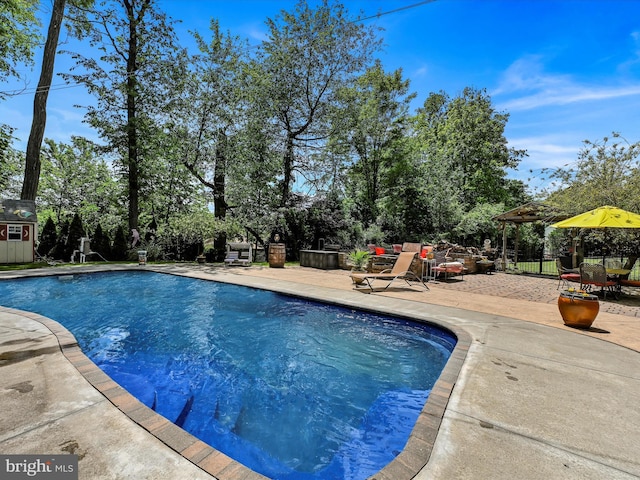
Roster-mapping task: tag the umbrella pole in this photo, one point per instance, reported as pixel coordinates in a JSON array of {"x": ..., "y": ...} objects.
[
  {"x": 574, "y": 244},
  {"x": 504, "y": 246}
]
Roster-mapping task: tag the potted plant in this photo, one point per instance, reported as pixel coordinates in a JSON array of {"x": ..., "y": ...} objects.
[{"x": 359, "y": 260}]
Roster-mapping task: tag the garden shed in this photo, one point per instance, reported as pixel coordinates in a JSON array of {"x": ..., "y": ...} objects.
[{"x": 18, "y": 231}]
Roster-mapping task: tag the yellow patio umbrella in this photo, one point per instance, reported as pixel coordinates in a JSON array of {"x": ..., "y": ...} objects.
[{"x": 601, "y": 218}]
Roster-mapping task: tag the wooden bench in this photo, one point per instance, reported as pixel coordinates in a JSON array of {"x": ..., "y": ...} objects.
[{"x": 238, "y": 254}]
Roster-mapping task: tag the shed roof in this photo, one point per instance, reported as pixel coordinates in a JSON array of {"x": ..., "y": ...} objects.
[{"x": 22, "y": 211}]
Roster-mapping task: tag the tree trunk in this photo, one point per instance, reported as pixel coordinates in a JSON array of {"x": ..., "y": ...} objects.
[
  {"x": 132, "y": 131},
  {"x": 32, "y": 164},
  {"x": 287, "y": 171},
  {"x": 219, "y": 203}
]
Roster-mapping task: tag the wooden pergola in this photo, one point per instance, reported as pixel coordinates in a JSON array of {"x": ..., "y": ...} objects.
[{"x": 527, "y": 213}]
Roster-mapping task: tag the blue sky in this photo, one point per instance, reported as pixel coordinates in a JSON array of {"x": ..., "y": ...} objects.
[{"x": 565, "y": 70}]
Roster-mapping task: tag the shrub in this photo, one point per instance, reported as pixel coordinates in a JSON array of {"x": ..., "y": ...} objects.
[{"x": 48, "y": 238}]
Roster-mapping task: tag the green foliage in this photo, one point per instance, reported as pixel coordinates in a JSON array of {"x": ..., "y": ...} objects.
[
  {"x": 465, "y": 155},
  {"x": 11, "y": 166},
  {"x": 61, "y": 250},
  {"x": 75, "y": 178},
  {"x": 359, "y": 259},
  {"x": 76, "y": 231},
  {"x": 120, "y": 248},
  {"x": 305, "y": 135},
  {"x": 101, "y": 243},
  {"x": 477, "y": 224},
  {"x": 296, "y": 229},
  {"x": 326, "y": 219},
  {"x": 405, "y": 208},
  {"x": 208, "y": 114},
  {"x": 184, "y": 237},
  {"x": 374, "y": 234},
  {"x": 310, "y": 54},
  {"x": 607, "y": 172},
  {"x": 374, "y": 121},
  {"x": 130, "y": 79},
  {"x": 19, "y": 31}
]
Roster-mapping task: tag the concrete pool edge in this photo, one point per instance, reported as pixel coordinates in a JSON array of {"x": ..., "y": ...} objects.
[{"x": 406, "y": 465}]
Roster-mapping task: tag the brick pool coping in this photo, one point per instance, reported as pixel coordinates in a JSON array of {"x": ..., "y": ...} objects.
[{"x": 406, "y": 464}]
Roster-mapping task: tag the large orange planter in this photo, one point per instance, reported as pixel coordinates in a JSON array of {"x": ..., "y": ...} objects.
[{"x": 578, "y": 309}]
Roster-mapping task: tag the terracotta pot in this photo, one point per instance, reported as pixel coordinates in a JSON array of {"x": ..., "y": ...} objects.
[{"x": 578, "y": 310}]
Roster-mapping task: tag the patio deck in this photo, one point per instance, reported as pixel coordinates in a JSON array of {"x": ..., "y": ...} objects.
[{"x": 533, "y": 399}]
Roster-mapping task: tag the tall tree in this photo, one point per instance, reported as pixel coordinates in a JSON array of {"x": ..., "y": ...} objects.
[
  {"x": 475, "y": 145},
  {"x": 130, "y": 81},
  {"x": 309, "y": 55},
  {"x": 376, "y": 110},
  {"x": 38, "y": 124},
  {"x": 208, "y": 112},
  {"x": 465, "y": 154},
  {"x": 442, "y": 183}
]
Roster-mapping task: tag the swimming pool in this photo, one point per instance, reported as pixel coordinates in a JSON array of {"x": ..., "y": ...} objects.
[{"x": 209, "y": 360}]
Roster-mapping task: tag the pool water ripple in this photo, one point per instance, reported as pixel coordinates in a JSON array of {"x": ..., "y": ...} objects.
[{"x": 293, "y": 389}]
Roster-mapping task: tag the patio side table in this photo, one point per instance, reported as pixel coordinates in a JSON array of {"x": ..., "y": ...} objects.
[{"x": 427, "y": 269}]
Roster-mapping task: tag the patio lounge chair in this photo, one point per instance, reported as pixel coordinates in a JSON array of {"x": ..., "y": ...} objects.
[
  {"x": 595, "y": 274},
  {"x": 411, "y": 247},
  {"x": 401, "y": 271}
]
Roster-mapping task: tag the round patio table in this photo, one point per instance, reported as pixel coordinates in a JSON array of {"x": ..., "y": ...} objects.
[{"x": 616, "y": 274}]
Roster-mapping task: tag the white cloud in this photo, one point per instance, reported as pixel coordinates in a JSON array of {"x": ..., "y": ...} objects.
[
  {"x": 635, "y": 58},
  {"x": 530, "y": 87},
  {"x": 256, "y": 33},
  {"x": 421, "y": 72},
  {"x": 542, "y": 145},
  {"x": 527, "y": 74},
  {"x": 545, "y": 154},
  {"x": 568, "y": 95}
]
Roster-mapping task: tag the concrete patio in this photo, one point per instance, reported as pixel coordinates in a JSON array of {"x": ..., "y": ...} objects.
[{"x": 531, "y": 398}]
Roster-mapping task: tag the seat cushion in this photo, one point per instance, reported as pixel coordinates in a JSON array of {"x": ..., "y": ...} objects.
[
  {"x": 449, "y": 267},
  {"x": 571, "y": 277}
]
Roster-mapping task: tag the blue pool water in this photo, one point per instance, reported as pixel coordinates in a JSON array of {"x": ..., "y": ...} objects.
[{"x": 291, "y": 388}]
